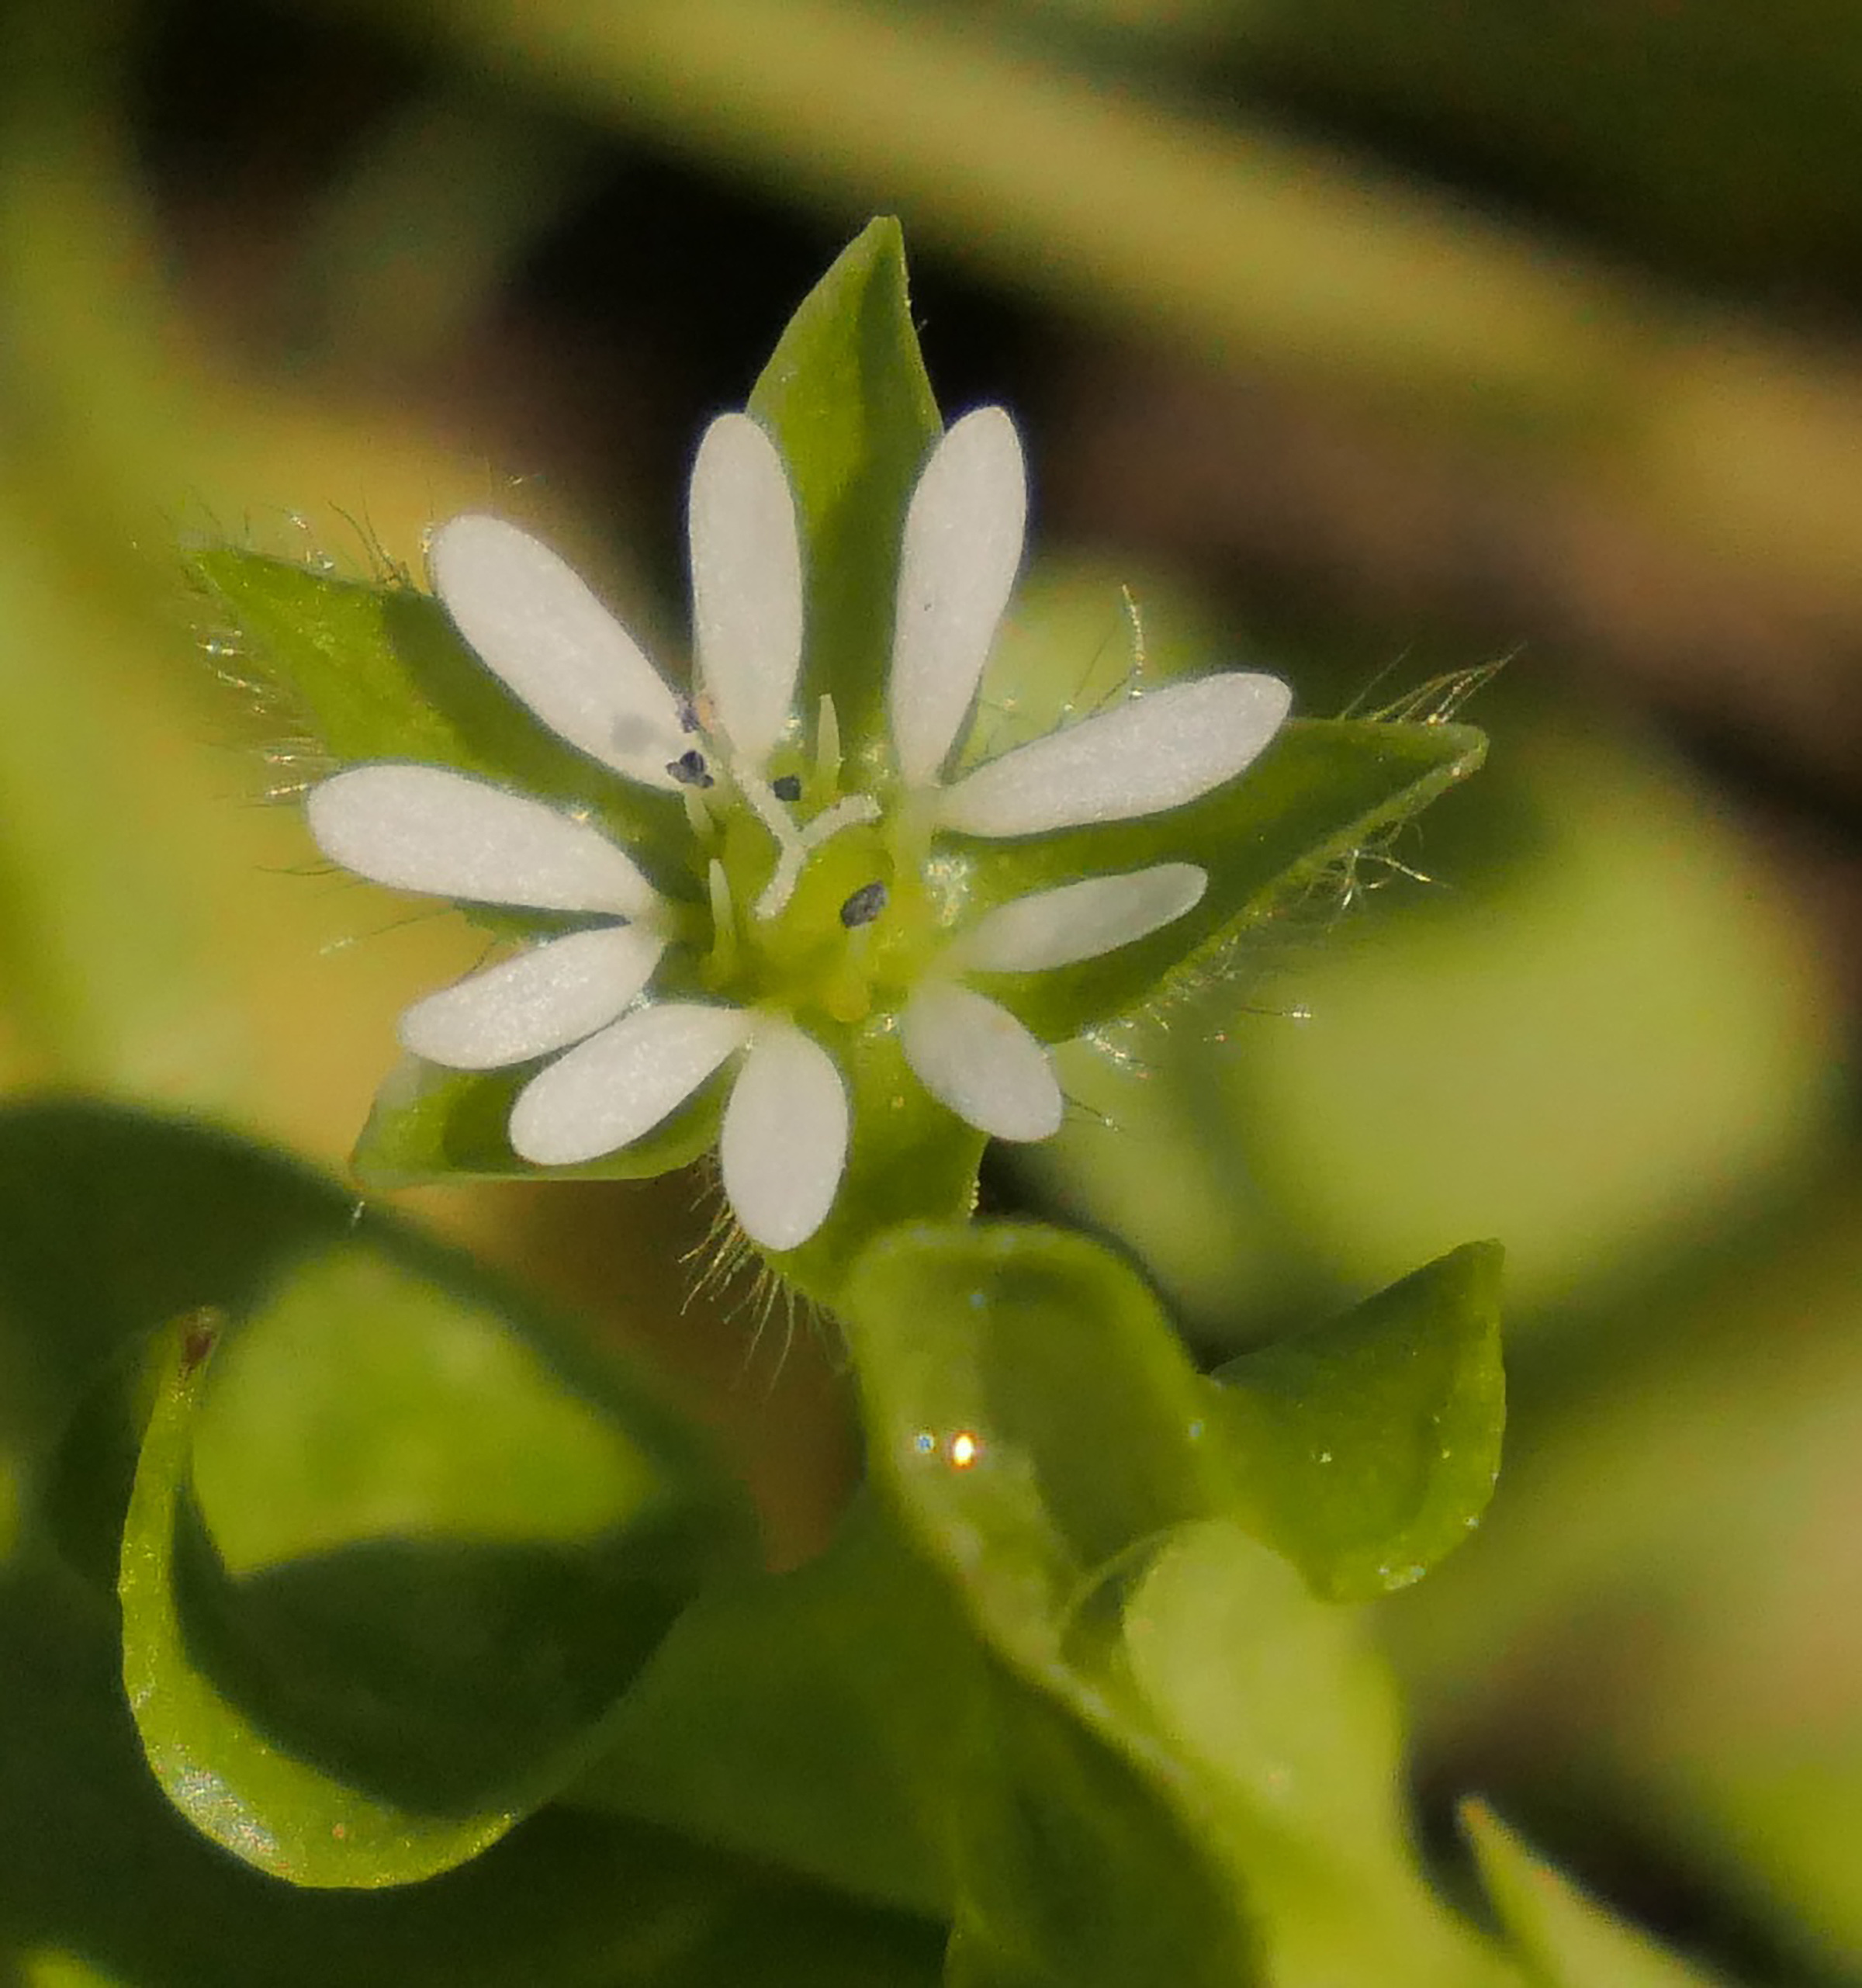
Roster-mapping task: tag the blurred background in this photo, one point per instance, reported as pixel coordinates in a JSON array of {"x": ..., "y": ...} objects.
[{"x": 1367, "y": 343}]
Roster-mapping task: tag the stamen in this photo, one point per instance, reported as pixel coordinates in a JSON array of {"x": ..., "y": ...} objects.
[
  {"x": 698, "y": 812},
  {"x": 827, "y": 745},
  {"x": 864, "y": 906},
  {"x": 787, "y": 788},
  {"x": 724, "y": 925}
]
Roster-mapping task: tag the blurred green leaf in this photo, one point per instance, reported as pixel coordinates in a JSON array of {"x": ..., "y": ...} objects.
[
  {"x": 1080, "y": 1856},
  {"x": 1283, "y": 1720},
  {"x": 846, "y": 396},
  {"x": 96, "y": 1866},
  {"x": 1567, "y": 1941},
  {"x": 114, "y": 1220},
  {"x": 53, "y": 1969},
  {"x": 103, "y": 974},
  {"x": 805, "y": 1718},
  {"x": 1370, "y": 1445}
]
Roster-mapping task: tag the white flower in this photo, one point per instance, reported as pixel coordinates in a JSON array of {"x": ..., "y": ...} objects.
[{"x": 770, "y": 812}]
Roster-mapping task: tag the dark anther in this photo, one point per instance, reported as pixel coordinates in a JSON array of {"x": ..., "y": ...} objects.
[
  {"x": 864, "y": 906},
  {"x": 786, "y": 788},
  {"x": 689, "y": 770},
  {"x": 198, "y": 1342}
]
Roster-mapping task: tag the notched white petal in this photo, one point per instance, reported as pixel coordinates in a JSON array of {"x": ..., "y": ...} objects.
[
  {"x": 962, "y": 548},
  {"x": 1155, "y": 753},
  {"x": 422, "y": 828},
  {"x": 1080, "y": 921},
  {"x": 544, "y": 999},
  {"x": 747, "y": 584},
  {"x": 617, "y": 1086},
  {"x": 976, "y": 1058},
  {"x": 784, "y": 1143},
  {"x": 537, "y": 626}
]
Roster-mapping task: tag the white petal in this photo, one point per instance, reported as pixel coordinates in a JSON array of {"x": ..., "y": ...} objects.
[
  {"x": 747, "y": 584},
  {"x": 963, "y": 545},
  {"x": 536, "y": 626},
  {"x": 976, "y": 1058},
  {"x": 554, "y": 994},
  {"x": 784, "y": 1143},
  {"x": 1155, "y": 752},
  {"x": 420, "y": 828},
  {"x": 1080, "y": 921},
  {"x": 616, "y": 1086}
]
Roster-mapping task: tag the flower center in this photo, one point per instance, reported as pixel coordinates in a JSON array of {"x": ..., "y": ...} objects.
[{"x": 817, "y": 906}]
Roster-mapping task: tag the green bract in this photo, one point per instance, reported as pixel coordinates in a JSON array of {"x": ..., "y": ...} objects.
[{"x": 1565, "y": 1939}]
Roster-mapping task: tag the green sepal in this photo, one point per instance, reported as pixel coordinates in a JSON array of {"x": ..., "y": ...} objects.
[
  {"x": 376, "y": 671},
  {"x": 847, "y": 399},
  {"x": 1323, "y": 789},
  {"x": 1366, "y": 1448},
  {"x": 910, "y": 1160},
  {"x": 429, "y": 1124},
  {"x": 1565, "y": 1939}
]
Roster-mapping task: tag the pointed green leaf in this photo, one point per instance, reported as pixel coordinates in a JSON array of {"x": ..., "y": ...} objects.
[
  {"x": 1029, "y": 1403},
  {"x": 386, "y": 1570},
  {"x": 1324, "y": 788},
  {"x": 411, "y": 1534},
  {"x": 1279, "y": 1712},
  {"x": 375, "y": 671},
  {"x": 1366, "y": 1448},
  {"x": 1566, "y": 1939},
  {"x": 846, "y": 396},
  {"x": 1175, "y": 1721},
  {"x": 279, "y": 1811},
  {"x": 1027, "y": 1410}
]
